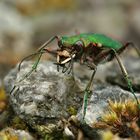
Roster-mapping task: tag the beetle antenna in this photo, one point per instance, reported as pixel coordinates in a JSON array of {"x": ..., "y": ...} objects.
[{"x": 126, "y": 76}]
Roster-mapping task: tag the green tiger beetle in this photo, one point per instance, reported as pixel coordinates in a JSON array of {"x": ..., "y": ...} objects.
[{"x": 89, "y": 49}]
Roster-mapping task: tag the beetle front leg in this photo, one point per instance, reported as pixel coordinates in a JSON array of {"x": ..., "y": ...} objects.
[
  {"x": 34, "y": 67},
  {"x": 39, "y": 52},
  {"x": 87, "y": 91}
]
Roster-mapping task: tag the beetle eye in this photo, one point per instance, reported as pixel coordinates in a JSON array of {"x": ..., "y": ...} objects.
[
  {"x": 79, "y": 46},
  {"x": 79, "y": 43}
]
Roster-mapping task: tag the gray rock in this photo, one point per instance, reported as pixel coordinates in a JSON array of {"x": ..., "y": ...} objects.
[
  {"x": 97, "y": 104},
  {"x": 45, "y": 96},
  {"x": 132, "y": 64}
]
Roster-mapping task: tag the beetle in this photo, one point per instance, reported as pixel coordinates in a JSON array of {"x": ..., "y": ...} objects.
[{"x": 90, "y": 49}]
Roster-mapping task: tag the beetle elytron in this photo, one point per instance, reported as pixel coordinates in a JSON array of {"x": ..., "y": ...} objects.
[{"x": 88, "y": 49}]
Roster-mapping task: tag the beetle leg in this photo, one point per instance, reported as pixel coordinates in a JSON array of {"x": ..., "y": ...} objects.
[
  {"x": 67, "y": 64},
  {"x": 125, "y": 46},
  {"x": 63, "y": 63},
  {"x": 39, "y": 52},
  {"x": 71, "y": 66},
  {"x": 33, "y": 67},
  {"x": 47, "y": 43},
  {"x": 57, "y": 65},
  {"x": 126, "y": 76},
  {"x": 64, "y": 69},
  {"x": 30, "y": 56},
  {"x": 137, "y": 50},
  {"x": 87, "y": 91},
  {"x": 128, "y": 44},
  {"x": 58, "y": 59}
]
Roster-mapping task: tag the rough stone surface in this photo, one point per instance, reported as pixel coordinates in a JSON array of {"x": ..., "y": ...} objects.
[
  {"x": 10, "y": 133},
  {"x": 45, "y": 95},
  {"x": 98, "y": 102},
  {"x": 132, "y": 65}
]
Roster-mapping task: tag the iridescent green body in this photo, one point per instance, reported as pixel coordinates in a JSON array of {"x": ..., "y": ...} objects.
[{"x": 88, "y": 38}]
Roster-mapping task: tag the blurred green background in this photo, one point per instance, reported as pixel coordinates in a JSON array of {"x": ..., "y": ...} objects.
[{"x": 26, "y": 24}]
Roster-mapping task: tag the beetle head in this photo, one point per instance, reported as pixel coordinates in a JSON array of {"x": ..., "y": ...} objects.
[
  {"x": 64, "y": 53},
  {"x": 69, "y": 49}
]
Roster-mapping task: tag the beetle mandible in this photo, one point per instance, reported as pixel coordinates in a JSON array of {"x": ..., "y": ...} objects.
[{"x": 88, "y": 49}]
